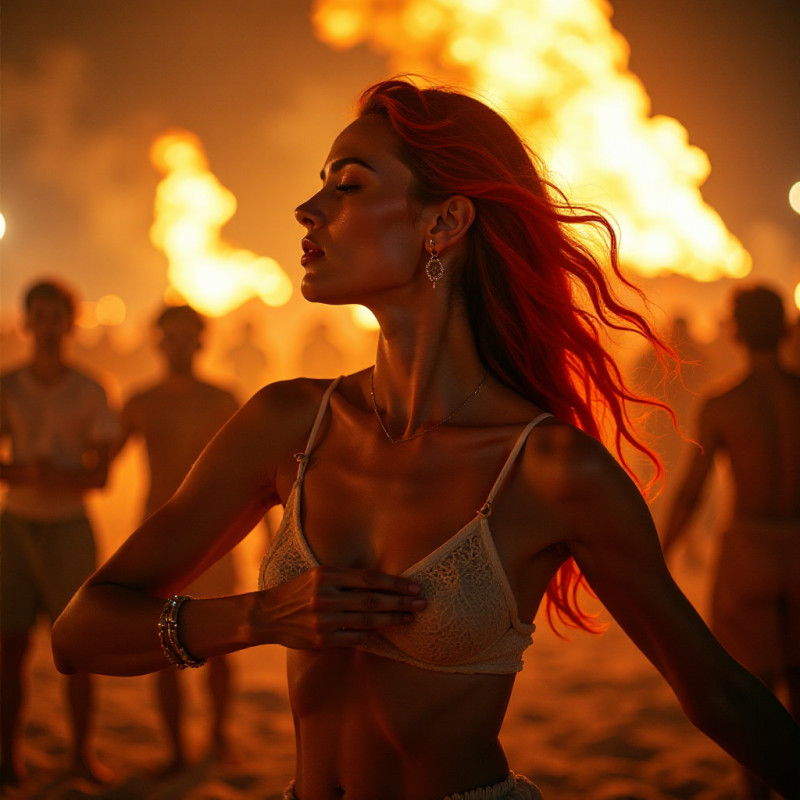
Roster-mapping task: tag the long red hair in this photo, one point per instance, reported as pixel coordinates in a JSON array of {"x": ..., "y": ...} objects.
[{"x": 536, "y": 294}]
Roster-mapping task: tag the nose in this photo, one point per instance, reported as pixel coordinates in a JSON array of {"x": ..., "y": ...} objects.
[{"x": 308, "y": 215}]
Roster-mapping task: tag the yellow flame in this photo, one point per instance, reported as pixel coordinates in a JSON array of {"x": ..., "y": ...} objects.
[
  {"x": 797, "y": 296},
  {"x": 191, "y": 207},
  {"x": 562, "y": 72}
]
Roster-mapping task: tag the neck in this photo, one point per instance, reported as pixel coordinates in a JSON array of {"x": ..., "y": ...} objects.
[
  {"x": 47, "y": 366},
  {"x": 763, "y": 360},
  {"x": 180, "y": 377},
  {"x": 425, "y": 367}
]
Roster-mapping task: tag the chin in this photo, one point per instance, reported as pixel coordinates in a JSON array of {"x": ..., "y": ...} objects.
[{"x": 315, "y": 291}]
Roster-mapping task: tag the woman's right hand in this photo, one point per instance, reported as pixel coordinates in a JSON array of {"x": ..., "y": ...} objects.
[{"x": 332, "y": 607}]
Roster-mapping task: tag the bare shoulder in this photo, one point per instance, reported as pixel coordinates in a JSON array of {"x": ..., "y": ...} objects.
[
  {"x": 142, "y": 396},
  {"x": 255, "y": 448},
  {"x": 291, "y": 395},
  {"x": 286, "y": 409},
  {"x": 750, "y": 390},
  {"x": 568, "y": 459},
  {"x": 219, "y": 395},
  {"x": 12, "y": 375},
  {"x": 581, "y": 483}
]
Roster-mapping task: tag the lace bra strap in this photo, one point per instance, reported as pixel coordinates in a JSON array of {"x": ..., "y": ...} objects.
[
  {"x": 486, "y": 510},
  {"x": 303, "y": 457}
]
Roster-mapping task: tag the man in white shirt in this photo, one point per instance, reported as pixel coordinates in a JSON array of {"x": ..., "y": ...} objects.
[{"x": 57, "y": 430}]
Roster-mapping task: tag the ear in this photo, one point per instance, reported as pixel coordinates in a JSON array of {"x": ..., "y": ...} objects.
[{"x": 452, "y": 220}]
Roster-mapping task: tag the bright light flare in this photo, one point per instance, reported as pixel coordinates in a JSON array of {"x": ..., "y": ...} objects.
[
  {"x": 87, "y": 315},
  {"x": 2, "y": 226},
  {"x": 562, "y": 73},
  {"x": 191, "y": 207},
  {"x": 364, "y": 318},
  {"x": 794, "y": 197},
  {"x": 110, "y": 310},
  {"x": 797, "y": 296}
]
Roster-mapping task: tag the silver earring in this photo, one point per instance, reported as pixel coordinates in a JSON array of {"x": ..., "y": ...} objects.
[{"x": 434, "y": 269}]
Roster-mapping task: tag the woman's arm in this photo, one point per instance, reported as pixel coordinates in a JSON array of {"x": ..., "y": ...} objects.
[
  {"x": 611, "y": 535},
  {"x": 110, "y": 626}
]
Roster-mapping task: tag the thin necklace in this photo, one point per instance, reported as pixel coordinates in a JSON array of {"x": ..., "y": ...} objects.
[{"x": 430, "y": 427}]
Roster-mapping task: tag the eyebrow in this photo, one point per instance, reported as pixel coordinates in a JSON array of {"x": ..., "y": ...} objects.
[{"x": 341, "y": 163}]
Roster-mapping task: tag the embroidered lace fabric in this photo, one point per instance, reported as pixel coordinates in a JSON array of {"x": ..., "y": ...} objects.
[{"x": 471, "y": 623}]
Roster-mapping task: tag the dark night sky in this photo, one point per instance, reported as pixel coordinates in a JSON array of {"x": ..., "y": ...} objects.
[{"x": 87, "y": 85}]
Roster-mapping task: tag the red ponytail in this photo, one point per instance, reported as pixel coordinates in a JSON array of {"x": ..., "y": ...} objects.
[{"x": 536, "y": 295}]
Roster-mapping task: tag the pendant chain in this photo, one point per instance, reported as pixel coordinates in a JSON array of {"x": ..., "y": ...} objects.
[{"x": 430, "y": 427}]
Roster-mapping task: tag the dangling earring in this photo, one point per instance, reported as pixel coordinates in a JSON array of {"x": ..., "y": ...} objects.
[{"x": 434, "y": 269}]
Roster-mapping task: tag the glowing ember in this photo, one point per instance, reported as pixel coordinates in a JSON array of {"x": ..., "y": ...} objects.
[
  {"x": 190, "y": 209},
  {"x": 561, "y": 70}
]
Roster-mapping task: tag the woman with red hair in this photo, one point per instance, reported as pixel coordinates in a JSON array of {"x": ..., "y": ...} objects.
[{"x": 404, "y": 610}]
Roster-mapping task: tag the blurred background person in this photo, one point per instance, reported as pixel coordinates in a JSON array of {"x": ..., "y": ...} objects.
[
  {"x": 57, "y": 429},
  {"x": 247, "y": 360},
  {"x": 755, "y": 609},
  {"x": 320, "y": 355},
  {"x": 176, "y": 418}
]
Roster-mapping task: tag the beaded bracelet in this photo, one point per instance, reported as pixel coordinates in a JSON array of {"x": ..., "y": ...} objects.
[{"x": 171, "y": 646}]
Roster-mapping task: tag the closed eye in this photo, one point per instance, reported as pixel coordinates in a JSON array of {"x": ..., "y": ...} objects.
[{"x": 347, "y": 188}]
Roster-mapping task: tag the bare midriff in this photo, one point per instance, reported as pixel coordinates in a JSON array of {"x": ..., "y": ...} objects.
[{"x": 371, "y": 727}]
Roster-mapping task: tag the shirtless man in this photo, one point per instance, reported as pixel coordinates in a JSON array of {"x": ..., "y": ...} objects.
[
  {"x": 177, "y": 418},
  {"x": 756, "y": 596},
  {"x": 57, "y": 427}
]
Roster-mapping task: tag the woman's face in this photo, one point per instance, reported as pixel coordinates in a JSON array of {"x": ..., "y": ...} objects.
[{"x": 364, "y": 237}]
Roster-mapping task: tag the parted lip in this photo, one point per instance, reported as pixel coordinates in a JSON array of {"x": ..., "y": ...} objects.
[{"x": 309, "y": 248}]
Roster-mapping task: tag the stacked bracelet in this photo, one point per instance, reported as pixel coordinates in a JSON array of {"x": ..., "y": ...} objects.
[{"x": 174, "y": 651}]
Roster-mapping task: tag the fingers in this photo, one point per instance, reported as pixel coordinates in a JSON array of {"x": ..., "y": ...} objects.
[
  {"x": 368, "y": 579},
  {"x": 348, "y": 628},
  {"x": 356, "y": 602},
  {"x": 362, "y": 601},
  {"x": 333, "y": 607},
  {"x": 349, "y": 621}
]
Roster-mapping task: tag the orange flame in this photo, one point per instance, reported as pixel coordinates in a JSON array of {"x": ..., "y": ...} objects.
[
  {"x": 562, "y": 71},
  {"x": 191, "y": 207}
]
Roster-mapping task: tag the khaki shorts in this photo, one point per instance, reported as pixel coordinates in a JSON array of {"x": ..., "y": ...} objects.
[
  {"x": 514, "y": 787},
  {"x": 755, "y": 610},
  {"x": 42, "y": 564}
]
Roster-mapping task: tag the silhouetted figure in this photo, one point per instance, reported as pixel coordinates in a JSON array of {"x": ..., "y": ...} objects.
[
  {"x": 248, "y": 361},
  {"x": 177, "y": 418},
  {"x": 756, "y": 424},
  {"x": 60, "y": 428},
  {"x": 791, "y": 350},
  {"x": 320, "y": 355}
]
